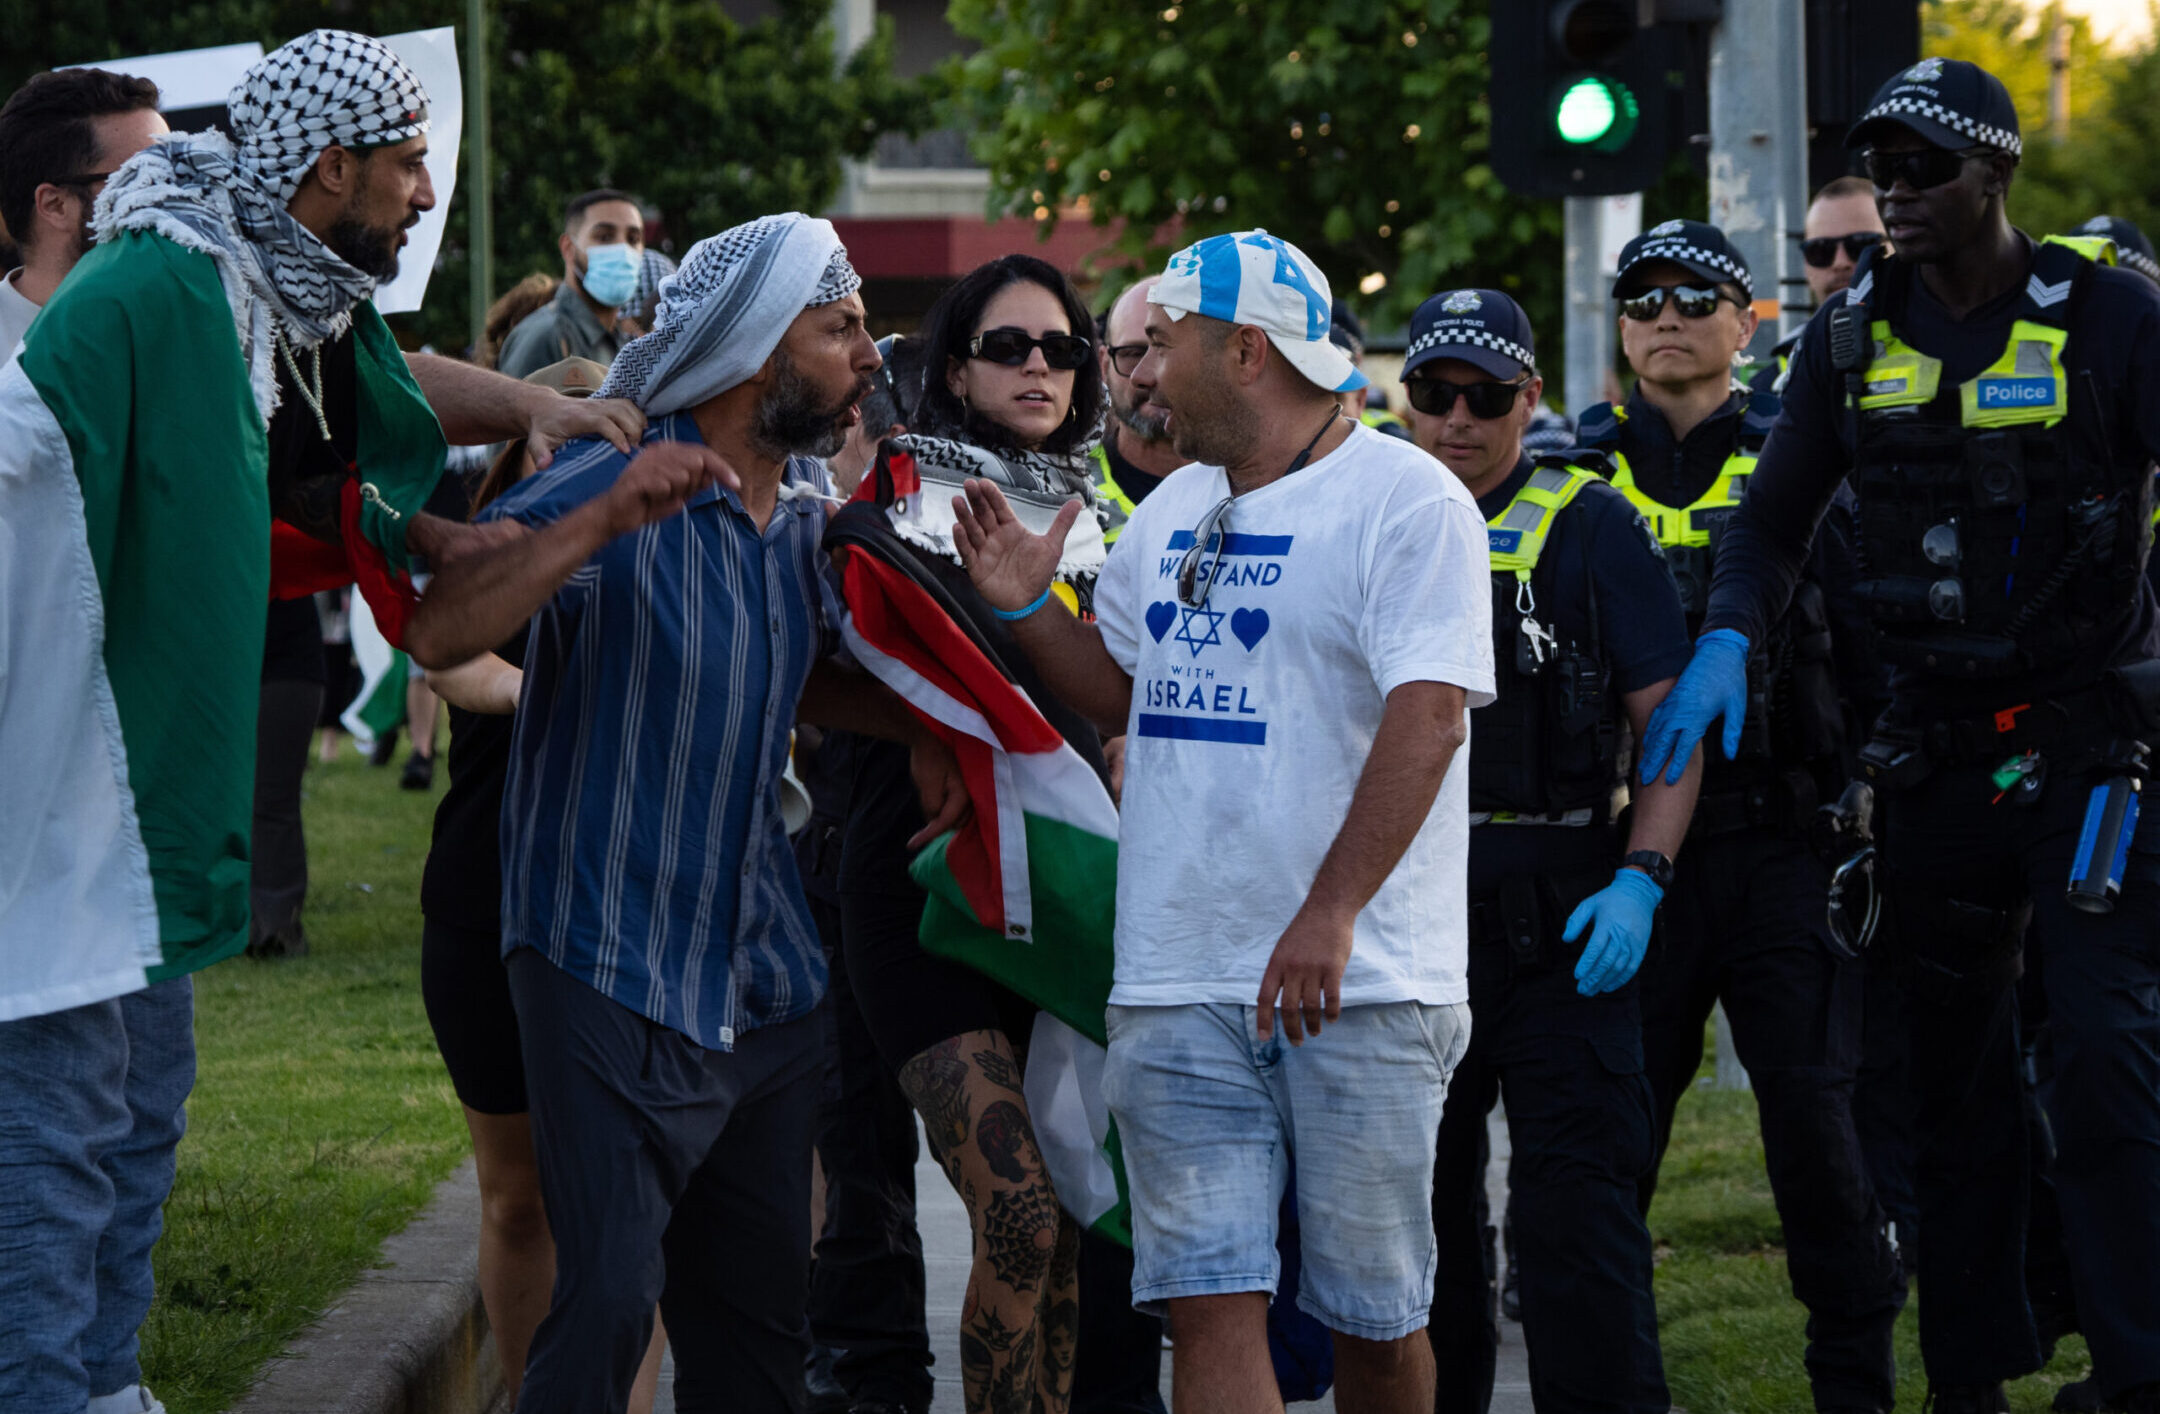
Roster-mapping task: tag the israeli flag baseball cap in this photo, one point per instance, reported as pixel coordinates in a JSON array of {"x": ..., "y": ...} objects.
[{"x": 1251, "y": 277}]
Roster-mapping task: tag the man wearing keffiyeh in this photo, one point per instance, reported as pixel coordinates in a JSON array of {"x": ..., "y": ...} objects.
[
  {"x": 661, "y": 956},
  {"x": 139, "y": 470}
]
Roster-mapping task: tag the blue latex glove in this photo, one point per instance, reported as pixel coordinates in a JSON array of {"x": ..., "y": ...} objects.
[
  {"x": 1622, "y": 911},
  {"x": 1713, "y": 685}
]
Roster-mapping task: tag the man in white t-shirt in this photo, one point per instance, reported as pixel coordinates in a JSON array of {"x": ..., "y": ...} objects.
[
  {"x": 61, "y": 135},
  {"x": 1289, "y": 632}
]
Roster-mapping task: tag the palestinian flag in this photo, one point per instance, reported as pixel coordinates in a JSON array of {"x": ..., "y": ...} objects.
[
  {"x": 378, "y": 709},
  {"x": 135, "y": 581},
  {"x": 1025, "y": 891}
]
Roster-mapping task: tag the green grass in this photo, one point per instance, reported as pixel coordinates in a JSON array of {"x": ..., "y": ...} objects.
[
  {"x": 1731, "y": 1329},
  {"x": 321, "y": 1119}
]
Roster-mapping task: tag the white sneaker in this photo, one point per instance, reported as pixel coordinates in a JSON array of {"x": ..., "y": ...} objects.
[{"x": 135, "y": 1399}]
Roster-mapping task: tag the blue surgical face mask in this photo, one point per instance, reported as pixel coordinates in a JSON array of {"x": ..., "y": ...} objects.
[{"x": 611, "y": 273}]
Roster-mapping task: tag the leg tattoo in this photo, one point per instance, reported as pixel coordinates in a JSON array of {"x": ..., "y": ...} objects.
[{"x": 1020, "y": 1318}]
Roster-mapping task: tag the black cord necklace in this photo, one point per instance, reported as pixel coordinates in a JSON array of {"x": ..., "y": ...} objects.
[{"x": 1298, "y": 464}]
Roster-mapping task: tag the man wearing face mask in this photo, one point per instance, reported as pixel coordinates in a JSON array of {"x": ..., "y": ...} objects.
[
  {"x": 603, "y": 251},
  {"x": 1747, "y": 923},
  {"x": 1994, "y": 401}
]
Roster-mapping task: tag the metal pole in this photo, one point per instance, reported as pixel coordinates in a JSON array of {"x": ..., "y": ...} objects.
[
  {"x": 2058, "y": 73},
  {"x": 1588, "y": 314},
  {"x": 480, "y": 228},
  {"x": 1758, "y": 145}
]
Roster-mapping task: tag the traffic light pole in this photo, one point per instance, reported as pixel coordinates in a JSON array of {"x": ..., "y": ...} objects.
[
  {"x": 1758, "y": 147},
  {"x": 1589, "y": 312}
]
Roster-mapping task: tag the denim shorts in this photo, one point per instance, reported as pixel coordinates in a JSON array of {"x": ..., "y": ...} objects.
[{"x": 1213, "y": 1120}]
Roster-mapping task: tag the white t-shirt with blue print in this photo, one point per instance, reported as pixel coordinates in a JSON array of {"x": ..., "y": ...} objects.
[{"x": 1253, "y": 717}]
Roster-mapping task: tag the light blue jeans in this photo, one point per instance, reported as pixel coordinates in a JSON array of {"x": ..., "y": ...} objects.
[
  {"x": 91, "y": 1113},
  {"x": 1214, "y": 1120}
]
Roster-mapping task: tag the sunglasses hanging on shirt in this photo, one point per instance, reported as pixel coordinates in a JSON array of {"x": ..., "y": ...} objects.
[
  {"x": 1821, "y": 251},
  {"x": 1435, "y": 398},
  {"x": 1011, "y": 347},
  {"x": 1693, "y": 302}
]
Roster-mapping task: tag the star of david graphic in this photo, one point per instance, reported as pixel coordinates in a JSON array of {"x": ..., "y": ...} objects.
[{"x": 1211, "y": 636}]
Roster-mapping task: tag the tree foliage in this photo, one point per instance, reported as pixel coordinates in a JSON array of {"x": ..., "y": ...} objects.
[
  {"x": 2109, "y": 161},
  {"x": 712, "y": 120},
  {"x": 1357, "y": 130}
]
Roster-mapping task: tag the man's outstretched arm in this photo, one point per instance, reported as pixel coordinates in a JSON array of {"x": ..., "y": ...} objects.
[
  {"x": 1012, "y": 568},
  {"x": 476, "y": 405},
  {"x": 498, "y": 575}
]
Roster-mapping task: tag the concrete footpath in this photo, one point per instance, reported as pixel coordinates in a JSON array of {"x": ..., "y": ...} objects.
[{"x": 947, "y": 1243}]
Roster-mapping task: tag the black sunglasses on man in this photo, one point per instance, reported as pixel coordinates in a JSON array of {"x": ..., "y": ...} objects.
[
  {"x": 1436, "y": 396},
  {"x": 1920, "y": 169}
]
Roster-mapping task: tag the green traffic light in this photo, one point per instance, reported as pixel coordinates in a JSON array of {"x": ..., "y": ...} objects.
[
  {"x": 1598, "y": 112},
  {"x": 1587, "y": 111}
]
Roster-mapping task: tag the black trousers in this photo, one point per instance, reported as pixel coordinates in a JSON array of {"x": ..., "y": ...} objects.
[
  {"x": 277, "y": 869},
  {"x": 867, "y": 1288},
  {"x": 1745, "y": 923},
  {"x": 1118, "y": 1366},
  {"x": 1580, "y": 1121},
  {"x": 671, "y": 1173},
  {"x": 1885, "y": 1112},
  {"x": 1966, "y": 879}
]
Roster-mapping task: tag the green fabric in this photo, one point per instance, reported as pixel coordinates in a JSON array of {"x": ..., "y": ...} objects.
[
  {"x": 137, "y": 359},
  {"x": 400, "y": 443},
  {"x": 1065, "y": 970},
  {"x": 1072, "y": 875}
]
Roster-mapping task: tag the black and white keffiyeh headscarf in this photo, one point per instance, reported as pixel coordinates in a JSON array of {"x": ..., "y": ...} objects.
[
  {"x": 199, "y": 192},
  {"x": 328, "y": 88},
  {"x": 724, "y": 311}
]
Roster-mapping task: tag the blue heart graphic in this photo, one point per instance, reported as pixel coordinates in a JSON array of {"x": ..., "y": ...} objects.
[
  {"x": 1160, "y": 617},
  {"x": 1250, "y": 626}
]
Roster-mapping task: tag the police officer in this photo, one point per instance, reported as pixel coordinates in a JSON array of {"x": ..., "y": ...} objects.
[
  {"x": 1840, "y": 225},
  {"x": 1748, "y": 923},
  {"x": 1589, "y": 637},
  {"x": 1995, "y": 402}
]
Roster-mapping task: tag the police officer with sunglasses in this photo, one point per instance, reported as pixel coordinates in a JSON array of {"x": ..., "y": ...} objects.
[
  {"x": 1840, "y": 225},
  {"x": 1747, "y": 922},
  {"x": 1994, "y": 402},
  {"x": 1588, "y": 636}
]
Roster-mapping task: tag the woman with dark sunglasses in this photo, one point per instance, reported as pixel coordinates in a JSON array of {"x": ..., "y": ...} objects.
[{"x": 1008, "y": 365}]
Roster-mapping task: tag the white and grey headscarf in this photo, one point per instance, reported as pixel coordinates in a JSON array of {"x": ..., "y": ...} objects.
[
  {"x": 724, "y": 311},
  {"x": 199, "y": 191}
]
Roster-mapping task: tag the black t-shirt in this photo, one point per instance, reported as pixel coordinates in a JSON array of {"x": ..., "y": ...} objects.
[
  {"x": 2114, "y": 335},
  {"x": 307, "y": 474},
  {"x": 1135, "y": 483},
  {"x": 1600, "y": 553},
  {"x": 293, "y": 642},
  {"x": 462, "y": 883}
]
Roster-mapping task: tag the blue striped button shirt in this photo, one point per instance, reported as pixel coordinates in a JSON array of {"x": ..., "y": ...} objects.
[{"x": 642, "y": 846}]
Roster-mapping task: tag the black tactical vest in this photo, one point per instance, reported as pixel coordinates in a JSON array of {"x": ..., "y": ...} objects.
[{"x": 1998, "y": 535}]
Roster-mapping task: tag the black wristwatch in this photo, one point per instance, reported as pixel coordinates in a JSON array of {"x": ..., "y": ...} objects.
[{"x": 1656, "y": 865}]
